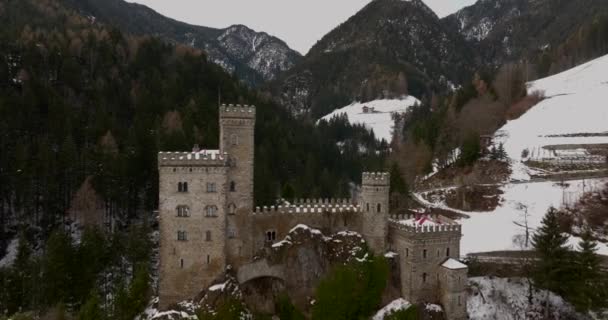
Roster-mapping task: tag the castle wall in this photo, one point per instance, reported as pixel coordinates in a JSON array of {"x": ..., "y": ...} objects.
[
  {"x": 328, "y": 219},
  {"x": 422, "y": 251},
  {"x": 189, "y": 264}
]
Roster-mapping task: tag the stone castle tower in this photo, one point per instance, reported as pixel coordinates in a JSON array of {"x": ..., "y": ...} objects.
[
  {"x": 207, "y": 221},
  {"x": 205, "y": 197},
  {"x": 374, "y": 199}
]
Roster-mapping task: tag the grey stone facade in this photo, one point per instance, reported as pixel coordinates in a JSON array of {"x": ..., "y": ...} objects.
[{"x": 208, "y": 221}]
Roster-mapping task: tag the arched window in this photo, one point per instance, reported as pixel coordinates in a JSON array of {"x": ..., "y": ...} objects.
[
  {"x": 232, "y": 186},
  {"x": 379, "y": 208},
  {"x": 208, "y": 238},
  {"x": 459, "y": 301},
  {"x": 231, "y": 209},
  {"x": 447, "y": 252},
  {"x": 183, "y": 211},
  {"x": 368, "y": 207},
  {"x": 181, "y": 263},
  {"x": 234, "y": 139},
  {"x": 424, "y": 253},
  {"x": 424, "y": 276},
  {"x": 180, "y": 187},
  {"x": 185, "y": 186},
  {"x": 211, "y": 211}
]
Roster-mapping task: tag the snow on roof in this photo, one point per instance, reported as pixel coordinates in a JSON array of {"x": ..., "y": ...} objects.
[
  {"x": 393, "y": 306},
  {"x": 421, "y": 221},
  {"x": 381, "y": 120},
  {"x": 454, "y": 264}
]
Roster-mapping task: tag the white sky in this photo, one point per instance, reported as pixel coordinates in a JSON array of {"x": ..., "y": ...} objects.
[{"x": 300, "y": 23}]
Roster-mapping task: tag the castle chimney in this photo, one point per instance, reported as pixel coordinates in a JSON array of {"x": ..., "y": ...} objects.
[{"x": 196, "y": 148}]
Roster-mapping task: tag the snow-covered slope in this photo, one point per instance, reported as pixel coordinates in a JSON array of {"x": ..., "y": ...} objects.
[
  {"x": 575, "y": 105},
  {"x": 379, "y": 118},
  {"x": 503, "y": 229},
  {"x": 507, "y": 299}
]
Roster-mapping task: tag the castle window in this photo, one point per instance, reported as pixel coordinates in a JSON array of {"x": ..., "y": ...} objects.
[
  {"x": 459, "y": 301},
  {"x": 368, "y": 207},
  {"x": 208, "y": 236},
  {"x": 231, "y": 233},
  {"x": 424, "y": 253},
  {"x": 232, "y": 186},
  {"x": 208, "y": 259},
  {"x": 211, "y": 211},
  {"x": 447, "y": 252},
  {"x": 271, "y": 235},
  {"x": 183, "y": 211},
  {"x": 407, "y": 252},
  {"x": 211, "y": 187},
  {"x": 379, "y": 208},
  {"x": 234, "y": 139},
  {"x": 181, "y": 236},
  {"x": 424, "y": 276},
  {"x": 181, "y": 263},
  {"x": 232, "y": 209},
  {"x": 182, "y": 187},
  {"x": 174, "y": 169}
]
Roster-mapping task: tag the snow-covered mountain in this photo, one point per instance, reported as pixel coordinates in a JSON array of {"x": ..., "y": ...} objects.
[
  {"x": 255, "y": 57},
  {"x": 376, "y": 115},
  {"x": 574, "y": 113}
]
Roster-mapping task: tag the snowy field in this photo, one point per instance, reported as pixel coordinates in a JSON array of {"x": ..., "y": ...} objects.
[
  {"x": 502, "y": 229},
  {"x": 380, "y": 120},
  {"x": 507, "y": 299},
  {"x": 575, "y": 104}
]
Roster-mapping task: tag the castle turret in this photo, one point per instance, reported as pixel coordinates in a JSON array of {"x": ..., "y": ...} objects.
[
  {"x": 237, "y": 123},
  {"x": 374, "y": 202}
]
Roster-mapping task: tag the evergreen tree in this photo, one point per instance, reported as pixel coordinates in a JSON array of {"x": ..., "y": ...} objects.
[
  {"x": 91, "y": 310},
  {"x": 589, "y": 292},
  {"x": 398, "y": 184},
  {"x": 501, "y": 153},
  {"x": 58, "y": 269},
  {"x": 552, "y": 268}
]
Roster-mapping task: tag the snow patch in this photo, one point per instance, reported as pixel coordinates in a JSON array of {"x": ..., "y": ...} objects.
[
  {"x": 379, "y": 116},
  {"x": 392, "y": 307},
  {"x": 11, "y": 254}
]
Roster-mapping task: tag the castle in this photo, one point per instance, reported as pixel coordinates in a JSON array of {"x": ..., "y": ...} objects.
[{"x": 208, "y": 221}]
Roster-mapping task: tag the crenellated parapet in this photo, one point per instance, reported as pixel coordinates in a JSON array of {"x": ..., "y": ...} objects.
[
  {"x": 311, "y": 201},
  {"x": 237, "y": 111},
  {"x": 309, "y": 208},
  {"x": 376, "y": 179},
  {"x": 196, "y": 159},
  {"x": 424, "y": 223}
]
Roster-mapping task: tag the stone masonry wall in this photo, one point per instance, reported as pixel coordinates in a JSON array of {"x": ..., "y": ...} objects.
[
  {"x": 187, "y": 266},
  {"x": 421, "y": 255},
  {"x": 237, "y": 126}
]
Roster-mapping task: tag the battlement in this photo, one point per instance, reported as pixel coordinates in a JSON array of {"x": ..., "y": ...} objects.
[
  {"x": 309, "y": 208},
  {"x": 201, "y": 158},
  {"x": 237, "y": 111},
  {"x": 424, "y": 223},
  {"x": 301, "y": 201},
  {"x": 376, "y": 179}
]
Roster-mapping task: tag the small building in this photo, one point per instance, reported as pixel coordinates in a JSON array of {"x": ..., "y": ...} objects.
[{"x": 365, "y": 109}]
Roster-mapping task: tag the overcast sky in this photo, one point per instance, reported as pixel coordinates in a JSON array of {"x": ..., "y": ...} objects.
[{"x": 300, "y": 23}]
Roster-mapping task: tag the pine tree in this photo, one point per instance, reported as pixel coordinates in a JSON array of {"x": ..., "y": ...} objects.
[
  {"x": 552, "y": 267},
  {"x": 589, "y": 293},
  {"x": 501, "y": 153}
]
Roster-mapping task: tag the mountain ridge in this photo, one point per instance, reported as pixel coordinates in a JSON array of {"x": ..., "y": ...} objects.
[{"x": 252, "y": 64}]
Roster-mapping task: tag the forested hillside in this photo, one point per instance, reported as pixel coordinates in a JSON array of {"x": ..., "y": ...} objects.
[
  {"x": 79, "y": 99},
  {"x": 253, "y": 56}
]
